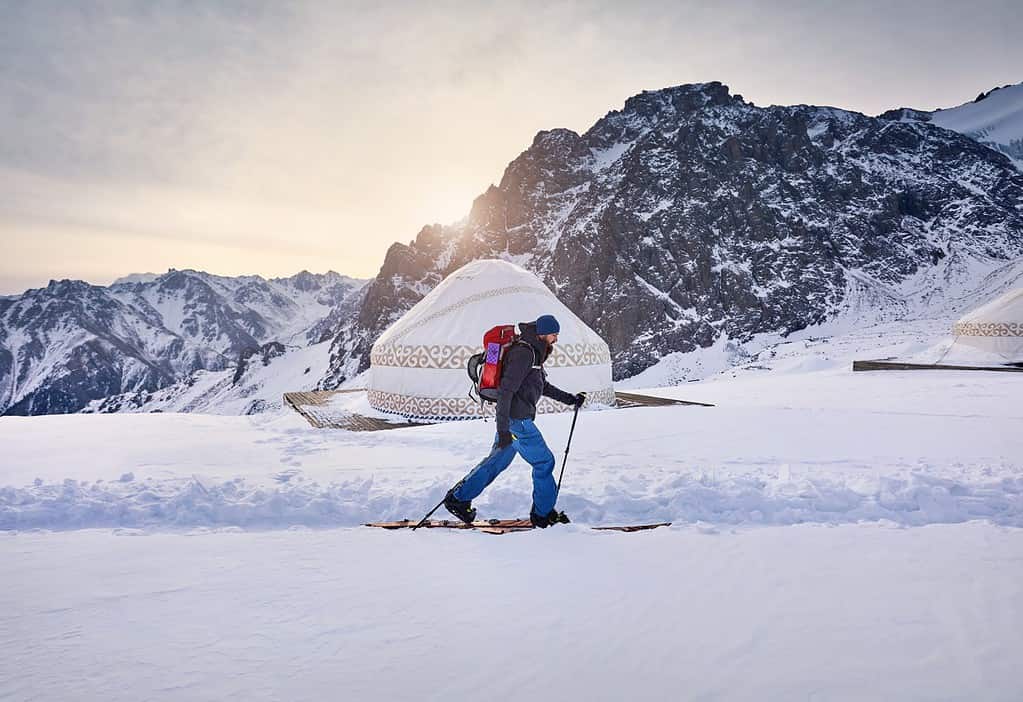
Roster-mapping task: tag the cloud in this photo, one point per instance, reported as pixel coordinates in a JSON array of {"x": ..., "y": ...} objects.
[{"x": 337, "y": 128}]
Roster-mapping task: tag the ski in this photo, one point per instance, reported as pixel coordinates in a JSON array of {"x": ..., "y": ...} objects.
[
  {"x": 501, "y": 526},
  {"x": 455, "y": 524},
  {"x": 628, "y": 528}
]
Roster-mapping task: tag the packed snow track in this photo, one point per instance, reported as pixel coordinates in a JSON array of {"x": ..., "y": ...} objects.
[{"x": 826, "y": 447}]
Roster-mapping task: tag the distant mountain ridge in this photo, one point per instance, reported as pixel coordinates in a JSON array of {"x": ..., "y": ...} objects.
[
  {"x": 70, "y": 343},
  {"x": 692, "y": 215},
  {"x": 994, "y": 118},
  {"x": 136, "y": 278}
]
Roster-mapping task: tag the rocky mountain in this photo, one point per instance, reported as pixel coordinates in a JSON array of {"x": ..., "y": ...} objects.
[
  {"x": 692, "y": 215},
  {"x": 994, "y": 118},
  {"x": 256, "y": 383},
  {"x": 70, "y": 343}
]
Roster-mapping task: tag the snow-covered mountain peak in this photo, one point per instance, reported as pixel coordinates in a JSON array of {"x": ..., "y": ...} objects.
[
  {"x": 641, "y": 113},
  {"x": 66, "y": 286},
  {"x": 304, "y": 280},
  {"x": 668, "y": 102},
  {"x": 999, "y": 102},
  {"x": 994, "y": 118},
  {"x": 136, "y": 278},
  {"x": 69, "y": 343}
]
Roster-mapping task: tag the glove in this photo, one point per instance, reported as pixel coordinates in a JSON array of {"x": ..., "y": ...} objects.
[
  {"x": 504, "y": 438},
  {"x": 580, "y": 398}
]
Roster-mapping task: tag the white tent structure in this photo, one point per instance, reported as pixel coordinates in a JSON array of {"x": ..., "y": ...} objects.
[
  {"x": 417, "y": 366},
  {"x": 995, "y": 328}
]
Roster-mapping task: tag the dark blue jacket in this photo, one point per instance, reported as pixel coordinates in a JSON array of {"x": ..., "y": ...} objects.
[{"x": 524, "y": 380}]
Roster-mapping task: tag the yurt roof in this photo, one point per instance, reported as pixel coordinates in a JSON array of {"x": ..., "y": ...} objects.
[
  {"x": 478, "y": 296},
  {"x": 1005, "y": 309}
]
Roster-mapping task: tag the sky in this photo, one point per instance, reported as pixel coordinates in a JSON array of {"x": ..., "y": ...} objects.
[{"x": 271, "y": 137}]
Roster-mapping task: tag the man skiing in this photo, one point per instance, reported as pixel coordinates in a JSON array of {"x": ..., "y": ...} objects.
[{"x": 523, "y": 381}]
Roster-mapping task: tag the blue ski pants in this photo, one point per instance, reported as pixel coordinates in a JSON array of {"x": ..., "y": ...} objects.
[{"x": 527, "y": 441}]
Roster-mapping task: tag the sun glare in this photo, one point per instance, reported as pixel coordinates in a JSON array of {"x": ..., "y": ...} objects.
[{"x": 446, "y": 206}]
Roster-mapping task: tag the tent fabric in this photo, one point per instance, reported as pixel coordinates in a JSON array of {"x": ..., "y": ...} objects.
[
  {"x": 996, "y": 327},
  {"x": 417, "y": 366}
]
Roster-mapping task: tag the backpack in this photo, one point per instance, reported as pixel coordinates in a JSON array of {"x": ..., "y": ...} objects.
[{"x": 484, "y": 368}]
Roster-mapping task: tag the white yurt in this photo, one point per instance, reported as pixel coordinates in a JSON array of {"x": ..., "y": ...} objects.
[
  {"x": 417, "y": 366},
  {"x": 995, "y": 328}
]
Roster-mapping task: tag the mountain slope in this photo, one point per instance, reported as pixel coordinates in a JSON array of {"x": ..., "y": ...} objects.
[
  {"x": 70, "y": 343},
  {"x": 256, "y": 384},
  {"x": 994, "y": 118},
  {"x": 692, "y": 215}
]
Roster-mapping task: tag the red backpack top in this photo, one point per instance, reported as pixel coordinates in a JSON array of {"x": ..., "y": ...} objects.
[{"x": 484, "y": 368}]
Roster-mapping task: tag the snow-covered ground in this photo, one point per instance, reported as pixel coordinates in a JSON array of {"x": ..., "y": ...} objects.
[
  {"x": 837, "y": 535},
  {"x": 856, "y": 612},
  {"x": 827, "y": 446}
]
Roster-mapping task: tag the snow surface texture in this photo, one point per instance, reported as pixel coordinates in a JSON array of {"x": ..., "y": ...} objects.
[
  {"x": 827, "y": 446},
  {"x": 857, "y": 612}
]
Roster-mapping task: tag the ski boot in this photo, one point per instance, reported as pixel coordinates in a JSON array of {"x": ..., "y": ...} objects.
[
  {"x": 553, "y": 517},
  {"x": 462, "y": 509}
]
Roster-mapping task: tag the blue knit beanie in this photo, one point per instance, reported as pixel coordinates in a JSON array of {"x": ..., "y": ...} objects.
[{"x": 547, "y": 324}]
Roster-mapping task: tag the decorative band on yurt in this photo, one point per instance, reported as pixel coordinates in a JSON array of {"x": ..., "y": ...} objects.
[
  {"x": 438, "y": 356},
  {"x": 457, "y": 408},
  {"x": 1002, "y": 329}
]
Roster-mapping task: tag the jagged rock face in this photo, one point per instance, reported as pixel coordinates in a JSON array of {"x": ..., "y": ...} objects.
[
  {"x": 70, "y": 343},
  {"x": 691, "y": 213},
  {"x": 189, "y": 306},
  {"x": 266, "y": 352}
]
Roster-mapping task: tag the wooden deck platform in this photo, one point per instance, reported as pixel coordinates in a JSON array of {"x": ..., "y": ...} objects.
[
  {"x": 632, "y": 399},
  {"x": 315, "y": 407},
  {"x": 896, "y": 365}
]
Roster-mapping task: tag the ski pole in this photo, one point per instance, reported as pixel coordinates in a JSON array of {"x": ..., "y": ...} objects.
[
  {"x": 571, "y": 431},
  {"x": 428, "y": 515}
]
